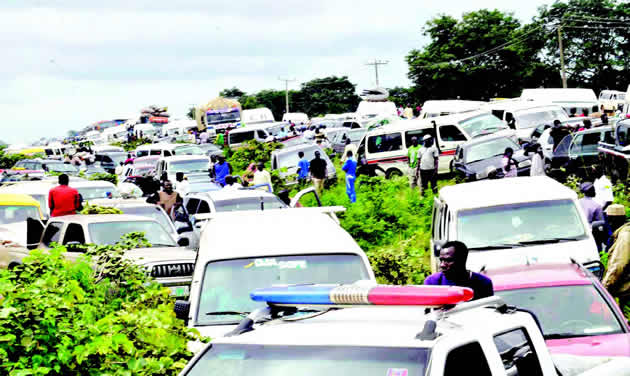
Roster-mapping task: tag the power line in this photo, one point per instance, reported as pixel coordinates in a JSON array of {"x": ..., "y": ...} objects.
[
  {"x": 286, "y": 92},
  {"x": 376, "y": 63}
]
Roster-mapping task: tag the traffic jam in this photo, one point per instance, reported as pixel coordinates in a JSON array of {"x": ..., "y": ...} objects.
[{"x": 517, "y": 284}]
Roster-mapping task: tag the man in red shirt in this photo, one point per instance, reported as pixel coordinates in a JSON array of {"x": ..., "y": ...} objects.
[{"x": 63, "y": 200}]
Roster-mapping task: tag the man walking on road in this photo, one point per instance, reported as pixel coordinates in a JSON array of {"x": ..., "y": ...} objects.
[
  {"x": 350, "y": 167},
  {"x": 317, "y": 166},
  {"x": 453, "y": 271},
  {"x": 412, "y": 155},
  {"x": 428, "y": 157},
  {"x": 63, "y": 200},
  {"x": 303, "y": 167},
  {"x": 617, "y": 278},
  {"x": 167, "y": 198}
]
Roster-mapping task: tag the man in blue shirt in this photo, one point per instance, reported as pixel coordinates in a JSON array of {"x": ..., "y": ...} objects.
[
  {"x": 221, "y": 170},
  {"x": 302, "y": 169},
  {"x": 350, "y": 167},
  {"x": 453, "y": 272}
]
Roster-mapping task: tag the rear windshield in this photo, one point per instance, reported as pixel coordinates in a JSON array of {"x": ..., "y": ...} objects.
[
  {"x": 264, "y": 360},
  {"x": 153, "y": 212},
  {"x": 240, "y": 137},
  {"x": 91, "y": 193},
  {"x": 17, "y": 213},
  {"x": 249, "y": 203}
]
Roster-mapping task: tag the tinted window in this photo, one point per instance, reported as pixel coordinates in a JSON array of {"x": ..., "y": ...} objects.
[
  {"x": 108, "y": 233},
  {"x": 240, "y": 137},
  {"x": 191, "y": 206},
  {"x": 451, "y": 133},
  {"x": 417, "y": 134},
  {"x": 517, "y": 353},
  {"x": 261, "y": 134},
  {"x": 467, "y": 360},
  {"x": 203, "y": 207},
  {"x": 74, "y": 233},
  {"x": 385, "y": 143},
  {"x": 52, "y": 233}
]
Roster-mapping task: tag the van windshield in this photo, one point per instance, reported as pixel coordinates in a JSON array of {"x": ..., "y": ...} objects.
[
  {"x": 188, "y": 166},
  {"x": 240, "y": 137},
  {"x": 520, "y": 224},
  {"x": 219, "y": 293},
  {"x": 482, "y": 124},
  {"x": 534, "y": 117},
  {"x": 265, "y": 360},
  {"x": 188, "y": 150}
]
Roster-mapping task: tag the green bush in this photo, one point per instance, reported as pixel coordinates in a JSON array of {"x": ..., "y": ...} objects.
[
  {"x": 130, "y": 146},
  {"x": 8, "y": 160},
  {"x": 253, "y": 151},
  {"x": 112, "y": 178},
  {"x": 99, "y": 315}
]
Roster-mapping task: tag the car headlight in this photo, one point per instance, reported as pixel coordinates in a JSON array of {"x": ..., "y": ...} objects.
[{"x": 526, "y": 163}]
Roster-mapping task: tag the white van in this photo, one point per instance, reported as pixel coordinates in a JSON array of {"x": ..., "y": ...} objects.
[
  {"x": 257, "y": 116},
  {"x": 93, "y": 136},
  {"x": 56, "y": 150},
  {"x": 167, "y": 150},
  {"x": 435, "y": 108},
  {"x": 526, "y": 116},
  {"x": 295, "y": 117},
  {"x": 244, "y": 250},
  {"x": 387, "y": 146},
  {"x": 513, "y": 221},
  {"x": 264, "y": 132},
  {"x": 113, "y": 134},
  {"x": 612, "y": 100},
  {"x": 578, "y": 100},
  {"x": 179, "y": 130},
  {"x": 368, "y": 111},
  {"x": 193, "y": 166},
  {"x": 146, "y": 131}
]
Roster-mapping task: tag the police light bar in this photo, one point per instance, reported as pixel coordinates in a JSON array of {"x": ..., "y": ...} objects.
[{"x": 381, "y": 295}]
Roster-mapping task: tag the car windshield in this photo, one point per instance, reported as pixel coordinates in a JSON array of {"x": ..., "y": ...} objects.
[
  {"x": 291, "y": 159},
  {"x": 150, "y": 211},
  {"x": 17, "y": 213},
  {"x": 142, "y": 170},
  {"x": 249, "y": 203},
  {"x": 91, "y": 193},
  {"x": 224, "y": 117},
  {"x": 188, "y": 166},
  {"x": 520, "y": 223},
  {"x": 535, "y": 117},
  {"x": 487, "y": 123},
  {"x": 202, "y": 186},
  {"x": 108, "y": 233},
  {"x": 188, "y": 150},
  {"x": 566, "y": 311},
  {"x": 60, "y": 167},
  {"x": 489, "y": 149},
  {"x": 274, "y": 360},
  {"x": 219, "y": 293},
  {"x": 209, "y": 148},
  {"x": 115, "y": 157}
]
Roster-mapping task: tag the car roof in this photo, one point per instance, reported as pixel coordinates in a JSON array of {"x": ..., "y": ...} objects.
[
  {"x": 418, "y": 123},
  {"x": 230, "y": 194},
  {"x": 101, "y": 218},
  {"x": 30, "y": 187},
  {"x": 90, "y": 183},
  {"x": 301, "y": 231},
  {"x": 520, "y": 105},
  {"x": 187, "y": 157},
  {"x": 537, "y": 275},
  {"x": 487, "y": 193},
  {"x": 484, "y": 139},
  {"x": 375, "y": 326},
  {"x": 17, "y": 199}
]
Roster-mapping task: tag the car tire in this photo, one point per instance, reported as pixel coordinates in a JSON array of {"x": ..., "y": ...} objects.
[{"x": 392, "y": 173}]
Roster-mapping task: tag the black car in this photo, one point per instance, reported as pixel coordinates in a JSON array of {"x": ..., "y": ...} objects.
[
  {"x": 109, "y": 160},
  {"x": 577, "y": 153},
  {"x": 473, "y": 158}
]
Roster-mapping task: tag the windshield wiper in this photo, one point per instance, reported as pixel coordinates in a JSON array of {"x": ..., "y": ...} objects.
[
  {"x": 496, "y": 246},
  {"x": 560, "y": 335},
  {"x": 548, "y": 241},
  {"x": 221, "y": 313}
]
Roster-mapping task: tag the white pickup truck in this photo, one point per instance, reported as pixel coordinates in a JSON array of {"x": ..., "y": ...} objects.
[{"x": 388, "y": 331}]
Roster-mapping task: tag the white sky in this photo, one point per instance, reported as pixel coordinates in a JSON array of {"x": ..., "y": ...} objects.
[{"x": 67, "y": 64}]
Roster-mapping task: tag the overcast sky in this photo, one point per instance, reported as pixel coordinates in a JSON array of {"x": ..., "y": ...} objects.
[{"x": 66, "y": 64}]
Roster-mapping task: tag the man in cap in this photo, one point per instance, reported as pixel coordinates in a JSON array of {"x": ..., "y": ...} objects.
[
  {"x": 615, "y": 218},
  {"x": 412, "y": 154},
  {"x": 617, "y": 278},
  {"x": 591, "y": 208},
  {"x": 428, "y": 157}
]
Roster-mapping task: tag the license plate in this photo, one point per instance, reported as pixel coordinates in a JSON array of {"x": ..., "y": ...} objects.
[{"x": 180, "y": 291}]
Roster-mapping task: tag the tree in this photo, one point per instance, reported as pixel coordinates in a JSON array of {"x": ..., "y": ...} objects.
[
  {"x": 191, "y": 113},
  {"x": 326, "y": 95},
  {"x": 232, "y": 93},
  {"x": 595, "y": 39},
  {"x": 402, "y": 96},
  {"x": 456, "y": 63},
  {"x": 273, "y": 100}
]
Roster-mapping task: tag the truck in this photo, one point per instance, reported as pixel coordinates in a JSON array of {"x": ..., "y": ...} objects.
[
  {"x": 220, "y": 114},
  {"x": 368, "y": 329},
  {"x": 614, "y": 152}
]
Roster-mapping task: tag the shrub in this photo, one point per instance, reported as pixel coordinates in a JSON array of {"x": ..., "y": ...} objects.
[
  {"x": 96, "y": 209},
  {"x": 106, "y": 177},
  {"x": 98, "y": 315},
  {"x": 130, "y": 146},
  {"x": 253, "y": 151}
]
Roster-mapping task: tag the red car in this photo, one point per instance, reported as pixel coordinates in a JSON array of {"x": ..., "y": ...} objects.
[{"x": 578, "y": 316}]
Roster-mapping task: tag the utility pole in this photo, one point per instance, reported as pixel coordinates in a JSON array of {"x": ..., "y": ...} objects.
[
  {"x": 376, "y": 63},
  {"x": 562, "y": 68},
  {"x": 286, "y": 92}
]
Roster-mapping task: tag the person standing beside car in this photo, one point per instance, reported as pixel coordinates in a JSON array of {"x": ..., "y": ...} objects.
[
  {"x": 617, "y": 277},
  {"x": 538, "y": 165},
  {"x": 302, "y": 170},
  {"x": 412, "y": 155},
  {"x": 591, "y": 208},
  {"x": 318, "y": 170},
  {"x": 428, "y": 158},
  {"x": 62, "y": 199},
  {"x": 509, "y": 164},
  {"x": 350, "y": 167},
  {"x": 350, "y": 147}
]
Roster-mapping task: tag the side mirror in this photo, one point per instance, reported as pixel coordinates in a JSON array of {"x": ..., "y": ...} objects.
[
  {"x": 182, "y": 309},
  {"x": 183, "y": 242},
  {"x": 184, "y": 229}
]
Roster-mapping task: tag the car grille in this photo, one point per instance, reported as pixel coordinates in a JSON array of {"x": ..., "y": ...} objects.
[{"x": 172, "y": 270}]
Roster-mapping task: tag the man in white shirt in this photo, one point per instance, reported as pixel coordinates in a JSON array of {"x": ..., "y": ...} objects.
[
  {"x": 603, "y": 188},
  {"x": 262, "y": 177},
  {"x": 428, "y": 156},
  {"x": 349, "y": 147},
  {"x": 203, "y": 137},
  {"x": 231, "y": 183}
]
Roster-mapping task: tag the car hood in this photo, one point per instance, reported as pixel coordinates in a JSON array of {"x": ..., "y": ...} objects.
[
  {"x": 160, "y": 255},
  {"x": 215, "y": 331},
  {"x": 604, "y": 345},
  {"x": 496, "y": 162},
  {"x": 572, "y": 365},
  {"x": 580, "y": 250}
]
